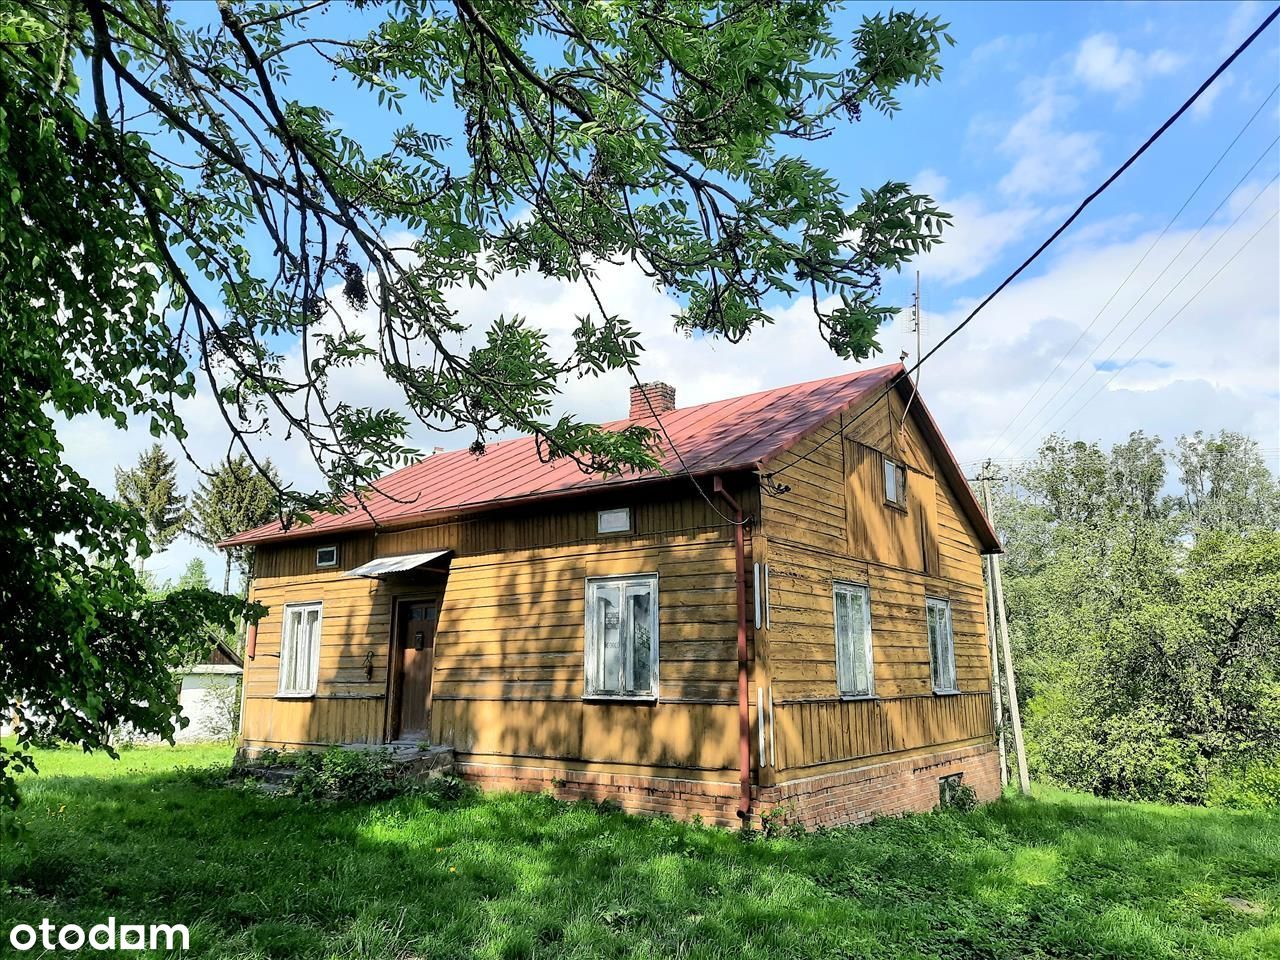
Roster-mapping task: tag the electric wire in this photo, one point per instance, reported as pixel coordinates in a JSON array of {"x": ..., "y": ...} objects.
[
  {"x": 1012, "y": 444},
  {"x": 774, "y": 487},
  {"x": 1164, "y": 326},
  {"x": 1097, "y": 316}
]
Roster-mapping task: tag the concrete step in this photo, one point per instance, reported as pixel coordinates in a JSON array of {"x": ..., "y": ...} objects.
[
  {"x": 422, "y": 761},
  {"x": 412, "y": 759}
]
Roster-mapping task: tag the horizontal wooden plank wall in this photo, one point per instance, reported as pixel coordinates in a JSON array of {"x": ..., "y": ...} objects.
[
  {"x": 832, "y": 733},
  {"x": 834, "y": 525},
  {"x": 802, "y": 639},
  {"x": 322, "y": 721},
  {"x": 509, "y": 647}
]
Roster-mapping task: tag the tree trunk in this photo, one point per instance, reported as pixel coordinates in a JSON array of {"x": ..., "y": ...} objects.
[{"x": 226, "y": 577}]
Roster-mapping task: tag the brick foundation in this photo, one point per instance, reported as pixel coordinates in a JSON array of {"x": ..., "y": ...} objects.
[
  {"x": 716, "y": 802},
  {"x": 908, "y": 784}
]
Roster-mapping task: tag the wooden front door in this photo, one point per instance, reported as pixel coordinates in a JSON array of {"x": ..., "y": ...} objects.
[{"x": 417, "y": 648}]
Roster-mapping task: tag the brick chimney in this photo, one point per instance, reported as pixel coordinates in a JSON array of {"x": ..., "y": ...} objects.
[{"x": 662, "y": 397}]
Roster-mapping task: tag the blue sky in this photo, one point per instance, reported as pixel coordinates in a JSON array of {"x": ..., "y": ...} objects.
[{"x": 1037, "y": 104}]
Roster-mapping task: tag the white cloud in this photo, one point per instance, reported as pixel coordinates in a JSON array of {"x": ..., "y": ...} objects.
[
  {"x": 1244, "y": 18},
  {"x": 1216, "y": 365},
  {"x": 1102, "y": 64},
  {"x": 1047, "y": 157},
  {"x": 1004, "y": 51},
  {"x": 978, "y": 233},
  {"x": 1202, "y": 108}
]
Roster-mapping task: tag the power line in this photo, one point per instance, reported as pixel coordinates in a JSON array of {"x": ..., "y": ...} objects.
[
  {"x": 1011, "y": 445},
  {"x": 1230, "y": 260},
  {"x": 1075, "y": 215},
  {"x": 684, "y": 467},
  {"x": 1191, "y": 196}
]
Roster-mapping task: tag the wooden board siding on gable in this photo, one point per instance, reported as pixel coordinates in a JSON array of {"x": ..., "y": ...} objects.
[
  {"x": 877, "y": 530},
  {"x": 508, "y": 678},
  {"x": 834, "y": 524},
  {"x": 829, "y": 477},
  {"x": 802, "y": 638}
]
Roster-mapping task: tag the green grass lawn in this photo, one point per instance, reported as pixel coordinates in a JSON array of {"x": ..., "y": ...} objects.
[{"x": 155, "y": 838}]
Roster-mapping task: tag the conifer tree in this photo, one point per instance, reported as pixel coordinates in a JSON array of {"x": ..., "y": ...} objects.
[
  {"x": 233, "y": 498},
  {"x": 150, "y": 490}
]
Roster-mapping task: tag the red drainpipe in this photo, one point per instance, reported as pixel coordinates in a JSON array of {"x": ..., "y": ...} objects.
[{"x": 744, "y": 716}]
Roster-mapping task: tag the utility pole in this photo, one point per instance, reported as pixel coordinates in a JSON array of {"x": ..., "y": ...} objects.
[
  {"x": 1002, "y": 622},
  {"x": 997, "y": 698}
]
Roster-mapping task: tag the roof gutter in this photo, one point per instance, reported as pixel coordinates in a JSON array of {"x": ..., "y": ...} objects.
[{"x": 744, "y": 716}]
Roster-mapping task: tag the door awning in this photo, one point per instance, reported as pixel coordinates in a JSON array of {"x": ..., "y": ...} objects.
[{"x": 404, "y": 562}]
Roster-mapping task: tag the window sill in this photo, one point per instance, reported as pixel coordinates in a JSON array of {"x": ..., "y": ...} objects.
[
  {"x": 859, "y": 696},
  {"x": 947, "y": 693},
  {"x": 296, "y": 696},
  {"x": 619, "y": 698},
  {"x": 900, "y": 507}
]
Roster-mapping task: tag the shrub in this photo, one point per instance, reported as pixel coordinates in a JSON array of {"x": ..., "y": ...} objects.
[
  {"x": 954, "y": 794},
  {"x": 1251, "y": 785},
  {"x": 358, "y": 776},
  {"x": 448, "y": 788},
  {"x": 773, "y": 822}
]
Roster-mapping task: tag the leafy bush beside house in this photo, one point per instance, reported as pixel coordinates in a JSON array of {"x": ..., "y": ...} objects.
[{"x": 1146, "y": 618}]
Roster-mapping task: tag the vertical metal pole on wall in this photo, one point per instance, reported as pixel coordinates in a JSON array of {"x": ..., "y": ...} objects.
[{"x": 1002, "y": 623}]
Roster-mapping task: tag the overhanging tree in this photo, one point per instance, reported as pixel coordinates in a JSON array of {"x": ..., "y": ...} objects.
[
  {"x": 187, "y": 215},
  {"x": 649, "y": 133},
  {"x": 84, "y": 648}
]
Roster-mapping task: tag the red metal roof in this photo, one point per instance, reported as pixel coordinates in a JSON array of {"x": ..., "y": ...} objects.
[{"x": 726, "y": 435}]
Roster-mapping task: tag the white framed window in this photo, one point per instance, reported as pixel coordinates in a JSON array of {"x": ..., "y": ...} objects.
[
  {"x": 942, "y": 645},
  {"x": 855, "y": 673},
  {"x": 622, "y": 636},
  {"x": 327, "y": 556},
  {"x": 300, "y": 649},
  {"x": 614, "y": 521},
  {"x": 895, "y": 483}
]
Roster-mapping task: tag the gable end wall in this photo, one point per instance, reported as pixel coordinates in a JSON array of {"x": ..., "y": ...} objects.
[{"x": 833, "y": 524}]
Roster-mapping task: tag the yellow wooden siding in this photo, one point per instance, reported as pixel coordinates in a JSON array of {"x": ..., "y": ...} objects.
[
  {"x": 834, "y": 524},
  {"x": 802, "y": 636},
  {"x": 831, "y": 734},
  {"x": 509, "y": 646},
  {"x": 685, "y": 736},
  {"x": 316, "y": 722}
]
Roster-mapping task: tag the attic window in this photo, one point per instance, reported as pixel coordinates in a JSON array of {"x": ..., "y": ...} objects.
[
  {"x": 614, "y": 521},
  {"x": 895, "y": 484},
  {"x": 326, "y": 556}
]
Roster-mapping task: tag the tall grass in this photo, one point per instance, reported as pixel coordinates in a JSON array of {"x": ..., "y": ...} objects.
[{"x": 156, "y": 837}]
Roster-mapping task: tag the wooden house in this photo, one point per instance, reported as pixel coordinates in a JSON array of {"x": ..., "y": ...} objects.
[{"x": 789, "y": 613}]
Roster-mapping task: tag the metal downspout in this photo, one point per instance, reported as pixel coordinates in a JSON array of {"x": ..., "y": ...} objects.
[{"x": 744, "y": 717}]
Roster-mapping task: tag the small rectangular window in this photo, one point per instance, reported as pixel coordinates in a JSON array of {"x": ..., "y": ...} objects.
[
  {"x": 614, "y": 521},
  {"x": 300, "y": 649},
  {"x": 326, "y": 556},
  {"x": 895, "y": 483},
  {"x": 854, "y": 670},
  {"x": 942, "y": 647},
  {"x": 622, "y": 636}
]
